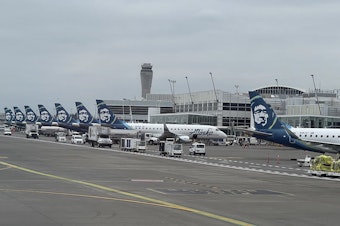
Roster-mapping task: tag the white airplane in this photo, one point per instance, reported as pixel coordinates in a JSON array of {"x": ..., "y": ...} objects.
[
  {"x": 182, "y": 132},
  {"x": 265, "y": 125}
]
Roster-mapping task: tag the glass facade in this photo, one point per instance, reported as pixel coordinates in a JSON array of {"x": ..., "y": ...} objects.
[
  {"x": 230, "y": 110},
  {"x": 184, "y": 119}
]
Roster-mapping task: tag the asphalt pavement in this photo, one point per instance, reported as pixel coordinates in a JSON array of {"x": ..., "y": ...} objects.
[{"x": 48, "y": 183}]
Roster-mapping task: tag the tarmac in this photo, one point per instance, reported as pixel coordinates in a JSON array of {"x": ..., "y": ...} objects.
[{"x": 48, "y": 183}]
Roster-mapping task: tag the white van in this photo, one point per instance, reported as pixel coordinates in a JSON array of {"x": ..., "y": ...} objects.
[{"x": 197, "y": 149}]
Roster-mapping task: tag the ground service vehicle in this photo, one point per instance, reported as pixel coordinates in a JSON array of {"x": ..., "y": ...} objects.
[
  {"x": 32, "y": 131},
  {"x": 325, "y": 165},
  {"x": 60, "y": 137},
  {"x": 170, "y": 148},
  {"x": 230, "y": 140},
  {"x": 304, "y": 162},
  {"x": 132, "y": 144},
  {"x": 150, "y": 139},
  {"x": 99, "y": 136},
  {"x": 77, "y": 139},
  {"x": 197, "y": 148},
  {"x": 7, "y": 131}
]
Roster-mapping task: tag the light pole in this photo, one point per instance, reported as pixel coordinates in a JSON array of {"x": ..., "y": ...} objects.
[
  {"x": 172, "y": 88},
  {"x": 123, "y": 108},
  {"x": 212, "y": 80},
  {"x": 316, "y": 95}
]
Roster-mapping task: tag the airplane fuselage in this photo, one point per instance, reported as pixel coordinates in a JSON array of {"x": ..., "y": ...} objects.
[
  {"x": 312, "y": 139},
  {"x": 323, "y": 135},
  {"x": 267, "y": 126},
  {"x": 191, "y": 131}
]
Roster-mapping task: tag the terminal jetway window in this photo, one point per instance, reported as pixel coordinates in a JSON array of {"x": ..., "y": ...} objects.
[{"x": 236, "y": 121}]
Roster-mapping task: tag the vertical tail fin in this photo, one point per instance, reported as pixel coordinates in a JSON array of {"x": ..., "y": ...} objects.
[
  {"x": 45, "y": 115},
  {"x": 62, "y": 115},
  {"x": 84, "y": 115},
  {"x": 9, "y": 116},
  {"x": 19, "y": 115},
  {"x": 107, "y": 117},
  {"x": 31, "y": 117},
  {"x": 262, "y": 115}
]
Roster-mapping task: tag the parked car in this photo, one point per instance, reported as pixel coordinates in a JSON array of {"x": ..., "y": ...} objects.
[
  {"x": 7, "y": 131},
  {"x": 77, "y": 139}
]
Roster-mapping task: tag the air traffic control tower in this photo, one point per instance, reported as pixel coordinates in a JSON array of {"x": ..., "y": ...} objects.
[{"x": 146, "y": 78}]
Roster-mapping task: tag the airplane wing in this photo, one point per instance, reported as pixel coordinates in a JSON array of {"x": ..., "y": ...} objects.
[
  {"x": 290, "y": 133},
  {"x": 323, "y": 146},
  {"x": 168, "y": 134}
]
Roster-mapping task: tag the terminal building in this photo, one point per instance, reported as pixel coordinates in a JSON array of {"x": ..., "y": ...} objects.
[
  {"x": 300, "y": 108},
  {"x": 228, "y": 111},
  {"x": 297, "y": 107}
]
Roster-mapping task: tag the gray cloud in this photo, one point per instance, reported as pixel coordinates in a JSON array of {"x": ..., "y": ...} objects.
[{"x": 86, "y": 50}]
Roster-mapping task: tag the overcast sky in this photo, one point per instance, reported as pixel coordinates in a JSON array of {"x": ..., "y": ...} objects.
[{"x": 82, "y": 50}]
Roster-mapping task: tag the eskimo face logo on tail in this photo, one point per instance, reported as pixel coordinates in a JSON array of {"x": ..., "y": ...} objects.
[
  {"x": 31, "y": 117},
  {"x": 44, "y": 116},
  {"x": 260, "y": 115},
  {"x": 62, "y": 116},
  {"x": 19, "y": 116},
  {"x": 263, "y": 115},
  {"x": 83, "y": 116},
  {"x": 8, "y": 115},
  {"x": 104, "y": 115}
]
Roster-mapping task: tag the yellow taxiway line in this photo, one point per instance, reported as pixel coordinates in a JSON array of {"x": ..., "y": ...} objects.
[{"x": 141, "y": 197}]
